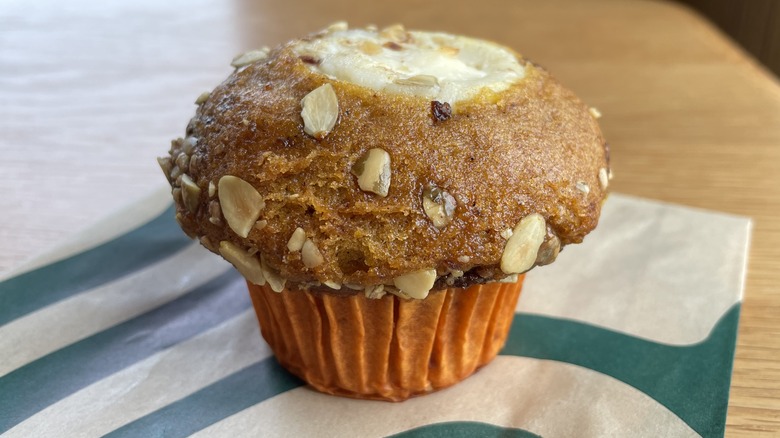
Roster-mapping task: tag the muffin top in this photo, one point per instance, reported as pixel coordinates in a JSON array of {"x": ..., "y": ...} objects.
[{"x": 360, "y": 159}]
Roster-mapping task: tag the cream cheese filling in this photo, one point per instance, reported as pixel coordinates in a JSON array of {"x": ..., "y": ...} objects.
[{"x": 437, "y": 66}]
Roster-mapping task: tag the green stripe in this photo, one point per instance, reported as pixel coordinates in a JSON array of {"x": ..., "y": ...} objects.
[
  {"x": 213, "y": 403},
  {"x": 130, "y": 252},
  {"x": 31, "y": 388},
  {"x": 464, "y": 429},
  {"x": 691, "y": 381}
]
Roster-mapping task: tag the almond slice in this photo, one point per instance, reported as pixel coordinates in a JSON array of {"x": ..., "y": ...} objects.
[
  {"x": 419, "y": 81},
  {"x": 311, "y": 255},
  {"x": 582, "y": 186},
  {"x": 603, "y": 178},
  {"x": 275, "y": 280},
  {"x": 416, "y": 284},
  {"x": 246, "y": 264},
  {"x": 332, "y": 285},
  {"x": 373, "y": 172},
  {"x": 395, "y": 32},
  {"x": 204, "y": 96},
  {"x": 166, "y": 164},
  {"x": 521, "y": 248},
  {"x": 338, "y": 26},
  {"x": 249, "y": 57},
  {"x": 369, "y": 47},
  {"x": 190, "y": 193},
  {"x": 297, "y": 239},
  {"x": 241, "y": 203},
  {"x": 320, "y": 111}
]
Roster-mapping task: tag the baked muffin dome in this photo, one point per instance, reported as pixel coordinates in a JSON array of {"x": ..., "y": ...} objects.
[{"x": 356, "y": 158}]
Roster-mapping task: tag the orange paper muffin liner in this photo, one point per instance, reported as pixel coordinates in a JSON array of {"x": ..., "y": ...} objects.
[{"x": 388, "y": 348}]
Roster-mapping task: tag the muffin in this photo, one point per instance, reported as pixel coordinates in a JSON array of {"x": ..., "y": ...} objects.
[{"x": 383, "y": 192}]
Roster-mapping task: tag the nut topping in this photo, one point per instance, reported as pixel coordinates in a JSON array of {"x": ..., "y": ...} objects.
[
  {"x": 175, "y": 173},
  {"x": 311, "y": 255},
  {"x": 338, "y": 26},
  {"x": 396, "y": 33},
  {"x": 549, "y": 250},
  {"x": 332, "y": 285},
  {"x": 296, "y": 240},
  {"x": 373, "y": 172},
  {"x": 274, "y": 279},
  {"x": 166, "y": 164},
  {"x": 212, "y": 189},
  {"x": 183, "y": 161},
  {"x": 594, "y": 112},
  {"x": 249, "y": 57},
  {"x": 418, "y": 81},
  {"x": 206, "y": 242},
  {"x": 202, "y": 98},
  {"x": 603, "y": 178},
  {"x": 521, "y": 249},
  {"x": 438, "y": 205},
  {"x": 464, "y": 259},
  {"x": 190, "y": 193},
  {"x": 375, "y": 292},
  {"x": 188, "y": 145},
  {"x": 214, "y": 211},
  {"x": 581, "y": 186},
  {"x": 449, "y": 51},
  {"x": 506, "y": 234},
  {"x": 370, "y": 48},
  {"x": 241, "y": 203},
  {"x": 246, "y": 264},
  {"x": 416, "y": 284},
  {"x": 320, "y": 111}
]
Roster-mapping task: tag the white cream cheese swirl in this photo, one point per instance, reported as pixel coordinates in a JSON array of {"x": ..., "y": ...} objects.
[{"x": 437, "y": 66}]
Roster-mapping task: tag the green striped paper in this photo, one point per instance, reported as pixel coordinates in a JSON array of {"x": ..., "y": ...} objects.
[{"x": 145, "y": 334}]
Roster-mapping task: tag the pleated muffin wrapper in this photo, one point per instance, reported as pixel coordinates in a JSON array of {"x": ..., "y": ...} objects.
[{"x": 389, "y": 348}]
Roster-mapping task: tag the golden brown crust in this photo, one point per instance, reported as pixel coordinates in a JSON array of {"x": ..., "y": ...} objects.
[{"x": 502, "y": 156}]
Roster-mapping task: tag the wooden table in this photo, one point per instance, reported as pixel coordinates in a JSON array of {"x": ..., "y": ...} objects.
[{"x": 91, "y": 92}]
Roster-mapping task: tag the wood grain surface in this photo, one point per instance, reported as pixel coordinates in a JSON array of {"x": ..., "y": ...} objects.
[{"x": 91, "y": 92}]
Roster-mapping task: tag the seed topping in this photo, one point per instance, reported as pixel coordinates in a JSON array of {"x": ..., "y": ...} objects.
[
  {"x": 549, "y": 250},
  {"x": 190, "y": 193}
]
